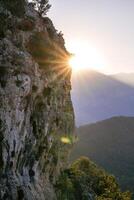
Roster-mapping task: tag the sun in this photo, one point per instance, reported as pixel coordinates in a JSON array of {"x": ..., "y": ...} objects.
[{"x": 86, "y": 57}]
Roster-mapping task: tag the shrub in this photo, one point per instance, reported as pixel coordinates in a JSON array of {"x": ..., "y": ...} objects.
[
  {"x": 42, "y": 6},
  {"x": 46, "y": 52},
  {"x": 17, "y": 7},
  {"x": 41, "y": 49},
  {"x": 84, "y": 179}
]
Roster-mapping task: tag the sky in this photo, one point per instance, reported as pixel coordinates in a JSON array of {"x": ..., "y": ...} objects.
[{"x": 106, "y": 25}]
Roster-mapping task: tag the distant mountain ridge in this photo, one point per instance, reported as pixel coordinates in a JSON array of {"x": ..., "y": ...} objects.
[
  {"x": 97, "y": 96},
  {"x": 110, "y": 143},
  {"x": 127, "y": 78}
]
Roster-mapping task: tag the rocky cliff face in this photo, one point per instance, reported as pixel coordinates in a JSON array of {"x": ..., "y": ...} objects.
[{"x": 36, "y": 114}]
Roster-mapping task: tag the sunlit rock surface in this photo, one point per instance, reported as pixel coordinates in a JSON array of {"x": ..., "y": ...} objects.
[{"x": 35, "y": 106}]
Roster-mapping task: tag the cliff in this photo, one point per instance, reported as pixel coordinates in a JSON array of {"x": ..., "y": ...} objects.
[{"x": 36, "y": 113}]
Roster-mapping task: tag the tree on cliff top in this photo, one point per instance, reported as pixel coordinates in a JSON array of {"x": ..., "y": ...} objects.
[
  {"x": 17, "y": 7},
  {"x": 42, "y": 6}
]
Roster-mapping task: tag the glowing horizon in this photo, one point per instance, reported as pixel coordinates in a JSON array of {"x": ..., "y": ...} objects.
[
  {"x": 85, "y": 56},
  {"x": 106, "y": 25}
]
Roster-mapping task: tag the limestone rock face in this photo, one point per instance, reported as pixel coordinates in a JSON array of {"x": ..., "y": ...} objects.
[{"x": 35, "y": 106}]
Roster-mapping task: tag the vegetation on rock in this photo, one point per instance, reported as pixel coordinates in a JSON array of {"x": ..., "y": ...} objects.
[{"x": 17, "y": 7}]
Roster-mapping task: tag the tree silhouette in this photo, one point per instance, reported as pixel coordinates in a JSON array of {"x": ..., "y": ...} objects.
[{"x": 42, "y": 6}]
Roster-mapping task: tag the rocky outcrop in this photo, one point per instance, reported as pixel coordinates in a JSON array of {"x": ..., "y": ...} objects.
[{"x": 36, "y": 114}]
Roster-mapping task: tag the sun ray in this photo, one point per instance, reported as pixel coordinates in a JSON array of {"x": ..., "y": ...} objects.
[{"x": 86, "y": 57}]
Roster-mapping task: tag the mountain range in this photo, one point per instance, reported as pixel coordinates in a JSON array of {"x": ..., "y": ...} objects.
[
  {"x": 109, "y": 143},
  {"x": 97, "y": 96}
]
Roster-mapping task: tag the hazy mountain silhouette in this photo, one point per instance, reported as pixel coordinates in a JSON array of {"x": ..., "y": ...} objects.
[
  {"x": 97, "y": 97},
  {"x": 127, "y": 78},
  {"x": 110, "y": 143}
]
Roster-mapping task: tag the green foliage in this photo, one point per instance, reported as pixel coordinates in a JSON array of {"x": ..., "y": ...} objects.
[
  {"x": 112, "y": 138},
  {"x": 17, "y": 7},
  {"x": 84, "y": 180},
  {"x": 46, "y": 52},
  {"x": 42, "y": 6},
  {"x": 40, "y": 49}
]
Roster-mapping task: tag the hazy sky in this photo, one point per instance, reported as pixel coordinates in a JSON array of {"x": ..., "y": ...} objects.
[{"x": 108, "y": 25}]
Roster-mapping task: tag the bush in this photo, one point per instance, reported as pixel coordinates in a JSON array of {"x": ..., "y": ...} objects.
[
  {"x": 40, "y": 48},
  {"x": 84, "y": 180},
  {"x": 42, "y": 6},
  {"x": 46, "y": 52},
  {"x": 17, "y": 7}
]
